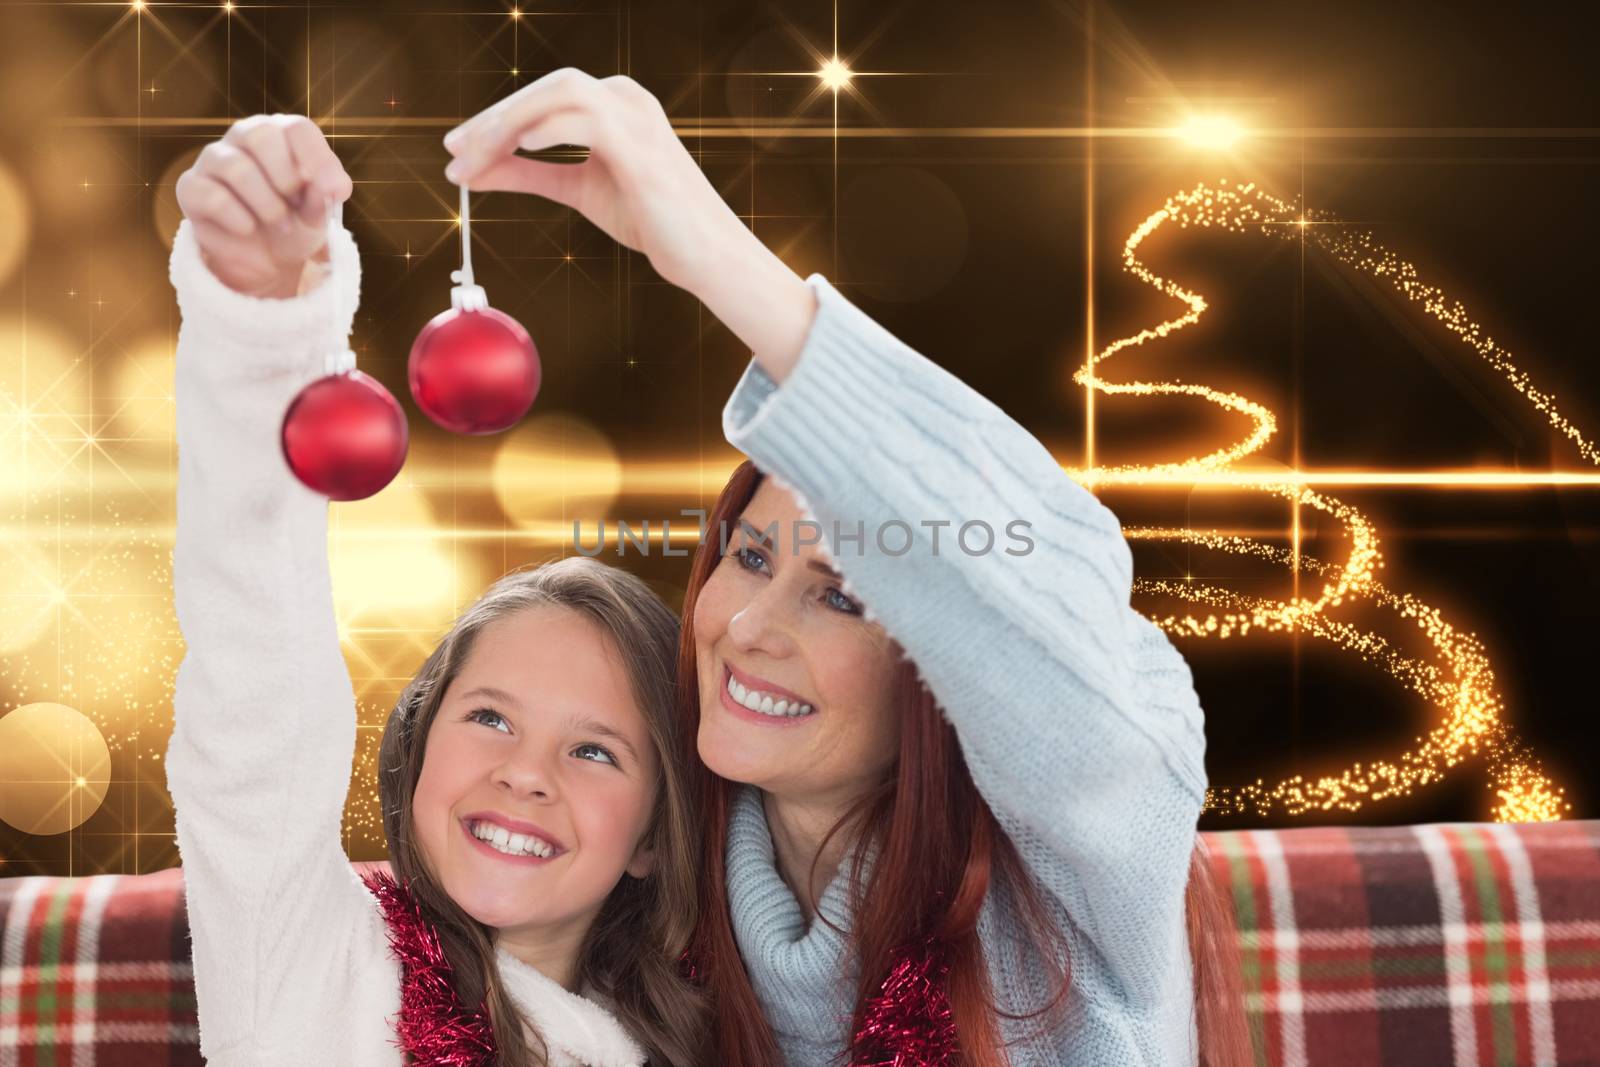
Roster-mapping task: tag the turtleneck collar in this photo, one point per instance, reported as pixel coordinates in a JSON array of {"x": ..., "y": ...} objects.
[
  {"x": 578, "y": 1030},
  {"x": 788, "y": 962}
]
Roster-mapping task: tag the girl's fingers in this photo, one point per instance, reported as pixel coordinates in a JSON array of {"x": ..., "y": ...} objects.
[
  {"x": 319, "y": 168},
  {"x": 260, "y": 137},
  {"x": 211, "y": 203},
  {"x": 239, "y": 171}
]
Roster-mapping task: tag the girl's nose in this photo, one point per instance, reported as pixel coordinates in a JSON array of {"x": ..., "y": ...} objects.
[{"x": 527, "y": 774}]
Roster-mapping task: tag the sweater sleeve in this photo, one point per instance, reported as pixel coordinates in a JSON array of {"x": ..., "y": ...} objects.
[
  {"x": 1077, "y": 717},
  {"x": 264, "y": 712}
]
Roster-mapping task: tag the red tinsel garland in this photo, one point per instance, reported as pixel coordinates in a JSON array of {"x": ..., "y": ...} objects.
[
  {"x": 434, "y": 1028},
  {"x": 909, "y": 1022}
]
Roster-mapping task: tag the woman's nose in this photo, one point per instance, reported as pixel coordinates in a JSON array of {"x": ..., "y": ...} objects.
[{"x": 764, "y": 624}]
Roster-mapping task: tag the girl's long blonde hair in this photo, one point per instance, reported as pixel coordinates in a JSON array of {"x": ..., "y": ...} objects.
[{"x": 631, "y": 954}]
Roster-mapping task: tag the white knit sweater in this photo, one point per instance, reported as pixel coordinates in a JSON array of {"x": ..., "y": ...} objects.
[
  {"x": 1077, "y": 717},
  {"x": 291, "y": 958}
]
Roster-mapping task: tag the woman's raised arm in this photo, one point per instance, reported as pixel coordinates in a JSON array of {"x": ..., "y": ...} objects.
[
  {"x": 1008, "y": 584},
  {"x": 1077, "y": 717}
]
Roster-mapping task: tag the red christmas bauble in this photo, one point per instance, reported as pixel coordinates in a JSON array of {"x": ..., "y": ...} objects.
[
  {"x": 474, "y": 371},
  {"x": 345, "y": 436}
]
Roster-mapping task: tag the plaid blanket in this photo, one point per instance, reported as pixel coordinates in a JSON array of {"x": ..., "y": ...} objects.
[
  {"x": 96, "y": 971},
  {"x": 1445, "y": 945}
]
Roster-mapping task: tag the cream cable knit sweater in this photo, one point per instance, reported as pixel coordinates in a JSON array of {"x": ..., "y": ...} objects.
[{"x": 291, "y": 958}]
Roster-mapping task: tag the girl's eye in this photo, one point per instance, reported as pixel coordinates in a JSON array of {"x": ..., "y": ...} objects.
[
  {"x": 839, "y": 602},
  {"x": 482, "y": 714},
  {"x": 605, "y": 755}
]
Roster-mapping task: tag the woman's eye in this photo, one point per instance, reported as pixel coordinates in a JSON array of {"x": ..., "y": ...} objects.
[
  {"x": 749, "y": 558},
  {"x": 605, "y": 756},
  {"x": 492, "y": 719},
  {"x": 839, "y": 602}
]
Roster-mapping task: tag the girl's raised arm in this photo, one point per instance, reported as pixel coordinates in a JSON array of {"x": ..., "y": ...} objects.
[{"x": 264, "y": 733}]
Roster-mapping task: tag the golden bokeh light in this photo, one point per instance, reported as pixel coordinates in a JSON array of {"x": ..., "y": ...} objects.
[
  {"x": 79, "y": 176},
  {"x": 55, "y": 768},
  {"x": 44, "y": 404},
  {"x": 164, "y": 208},
  {"x": 390, "y": 568},
  {"x": 144, "y": 413},
  {"x": 29, "y": 593},
  {"x": 1210, "y": 131},
  {"x": 553, "y": 469},
  {"x": 15, "y": 222}
]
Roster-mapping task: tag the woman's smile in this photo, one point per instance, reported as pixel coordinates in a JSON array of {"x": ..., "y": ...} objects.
[{"x": 756, "y": 700}]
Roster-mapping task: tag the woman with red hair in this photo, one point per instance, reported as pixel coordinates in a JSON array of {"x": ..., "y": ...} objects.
[{"x": 952, "y": 778}]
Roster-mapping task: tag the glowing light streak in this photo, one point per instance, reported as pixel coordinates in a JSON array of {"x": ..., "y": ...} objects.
[{"x": 1460, "y": 684}]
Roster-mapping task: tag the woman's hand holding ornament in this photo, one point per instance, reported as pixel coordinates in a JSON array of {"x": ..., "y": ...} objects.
[{"x": 643, "y": 188}]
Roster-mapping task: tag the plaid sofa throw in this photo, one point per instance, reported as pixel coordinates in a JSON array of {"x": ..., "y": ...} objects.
[
  {"x": 1442, "y": 945},
  {"x": 96, "y": 971},
  {"x": 1445, "y": 945}
]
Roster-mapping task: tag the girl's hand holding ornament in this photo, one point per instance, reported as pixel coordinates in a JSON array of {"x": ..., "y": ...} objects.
[
  {"x": 257, "y": 200},
  {"x": 262, "y": 203},
  {"x": 640, "y": 186}
]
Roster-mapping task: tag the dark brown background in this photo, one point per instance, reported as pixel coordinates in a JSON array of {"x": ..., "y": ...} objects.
[{"x": 1464, "y": 136}]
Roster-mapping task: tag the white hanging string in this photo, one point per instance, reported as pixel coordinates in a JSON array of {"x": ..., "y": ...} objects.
[
  {"x": 337, "y": 362},
  {"x": 464, "y": 275},
  {"x": 467, "y": 295}
]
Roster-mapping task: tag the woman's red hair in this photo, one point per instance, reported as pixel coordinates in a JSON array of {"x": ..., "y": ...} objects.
[{"x": 940, "y": 849}]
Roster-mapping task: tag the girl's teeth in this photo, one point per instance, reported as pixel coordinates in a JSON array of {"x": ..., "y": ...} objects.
[
  {"x": 503, "y": 840},
  {"x": 764, "y": 703}
]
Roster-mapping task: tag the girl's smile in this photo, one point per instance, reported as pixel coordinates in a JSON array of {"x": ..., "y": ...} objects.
[{"x": 526, "y": 843}]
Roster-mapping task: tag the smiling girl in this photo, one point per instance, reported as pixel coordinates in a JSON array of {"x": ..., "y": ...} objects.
[{"x": 539, "y": 821}]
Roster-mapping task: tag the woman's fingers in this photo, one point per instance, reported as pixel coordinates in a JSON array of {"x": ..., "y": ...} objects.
[
  {"x": 561, "y": 182},
  {"x": 565, "y": 106},
  {"x": 496, "y": 145},
  {"x": 524, "y": 106}
]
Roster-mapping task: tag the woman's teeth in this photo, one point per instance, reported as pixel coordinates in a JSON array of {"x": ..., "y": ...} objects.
[
  {"x": 765, "y": 703},
  {"x": 502, "y": 840}
]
